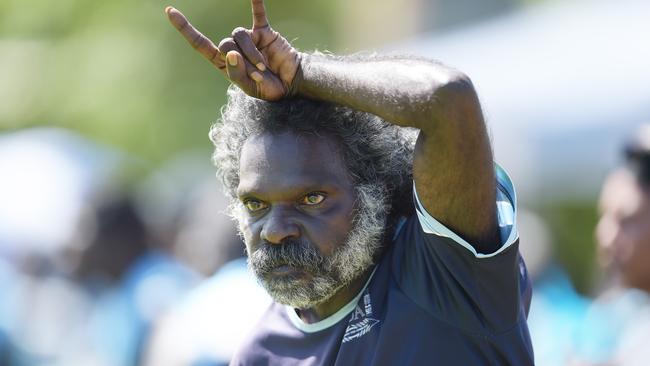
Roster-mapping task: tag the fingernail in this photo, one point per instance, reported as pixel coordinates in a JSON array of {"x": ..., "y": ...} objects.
[
  {"x": 232, "y": 59},
  {"x": 261, "y": 66},
  {"x": 257, "y": 76},
  {"x": 168, "y": 9}
]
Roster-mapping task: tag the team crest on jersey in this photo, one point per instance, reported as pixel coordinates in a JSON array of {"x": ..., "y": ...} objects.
[{"x": 361, "y": 321}]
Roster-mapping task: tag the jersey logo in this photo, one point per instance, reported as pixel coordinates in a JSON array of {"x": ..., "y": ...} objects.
[{"x": 361, "y": 321}]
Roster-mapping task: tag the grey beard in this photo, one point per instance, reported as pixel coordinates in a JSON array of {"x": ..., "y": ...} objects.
[{"x": 331, "y": 273}]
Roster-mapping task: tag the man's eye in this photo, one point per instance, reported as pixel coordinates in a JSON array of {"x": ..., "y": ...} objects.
[
  {"x": 254, "y": 205},
  {"x": 313, "y": 198}
]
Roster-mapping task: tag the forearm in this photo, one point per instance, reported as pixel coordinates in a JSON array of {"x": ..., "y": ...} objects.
[{"x": 404, "y": 91}]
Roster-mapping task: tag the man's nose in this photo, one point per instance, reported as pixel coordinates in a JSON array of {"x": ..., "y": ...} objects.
[{"x": 279, "y": 225}]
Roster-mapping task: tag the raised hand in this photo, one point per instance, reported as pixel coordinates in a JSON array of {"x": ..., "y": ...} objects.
[{"x": 259, "y": 60}]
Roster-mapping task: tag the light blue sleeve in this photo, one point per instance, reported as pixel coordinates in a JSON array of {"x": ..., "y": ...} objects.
[{"x": 506, "y": 214}]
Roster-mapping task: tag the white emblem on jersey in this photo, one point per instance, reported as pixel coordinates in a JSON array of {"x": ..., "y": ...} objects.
[{"x": 360, "y": 321}]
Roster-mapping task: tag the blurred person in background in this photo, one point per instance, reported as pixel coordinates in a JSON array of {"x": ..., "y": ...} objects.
[
  {"x": 184, "y": 208},
  {"x": 131, "y": 279},
  {"x": 211, "y": 333},
  {"x": 48, "y": 174},
  {"x": 623, "y": 232},
  {"x": 80, "y": 275},
  {"x": 557, "y": 310},
  {"x": 323, "y": 191},
  {"x": 183, "y": 195},
  {"x": 622, "y": 313},
  {"x": 616, "y": 324}
]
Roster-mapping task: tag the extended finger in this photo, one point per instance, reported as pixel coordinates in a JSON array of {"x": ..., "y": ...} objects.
[
  {"x": 198, "y": 41},
  {"x": 239, "y": 72},
  {"x": 259, "y": 14},
  {"x": 242, "y": 37}
]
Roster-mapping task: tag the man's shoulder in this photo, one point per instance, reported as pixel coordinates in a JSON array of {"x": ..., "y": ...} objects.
[{"x": 434, "y": 270}]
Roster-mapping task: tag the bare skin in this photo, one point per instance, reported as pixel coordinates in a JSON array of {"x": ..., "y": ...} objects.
[
  {"x": 290, "y": 192},
  {"x": 623, "y": 232},
  {"x": 453, "y": 166}
]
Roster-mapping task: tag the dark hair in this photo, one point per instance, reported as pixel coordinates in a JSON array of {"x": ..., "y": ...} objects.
[
  {"x": 375, "y": 152},
  {"x": 637, "y": 155},
  {"x": 639, "y": 162}
]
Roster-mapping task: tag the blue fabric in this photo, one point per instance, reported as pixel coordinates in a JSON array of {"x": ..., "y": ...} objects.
[{"x": 506, "y": 203}]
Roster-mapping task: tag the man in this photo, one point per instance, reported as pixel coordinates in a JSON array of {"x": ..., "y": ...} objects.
[
  {"x": 622, "y": 314},
  {"x": 336, "y": 202}
]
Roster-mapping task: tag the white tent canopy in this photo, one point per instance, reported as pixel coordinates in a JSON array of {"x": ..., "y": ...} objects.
[{"x": 562, "y": 85}]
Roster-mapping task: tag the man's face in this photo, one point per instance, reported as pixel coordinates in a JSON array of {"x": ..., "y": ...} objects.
[
  {"x": 300, "y": 218},
  {"x": 623, "y": 231}
]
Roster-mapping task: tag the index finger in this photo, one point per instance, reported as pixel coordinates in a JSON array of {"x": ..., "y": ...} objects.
[
  {"x": 200, "y": 42},
  {"x": 259, "y": 14}
]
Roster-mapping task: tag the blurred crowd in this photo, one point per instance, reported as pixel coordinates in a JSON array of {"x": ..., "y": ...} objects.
[
  {"x": 93, "y": 259},
  {"x": 609, "y": 327},
  {"x": 101, "y": 266}
]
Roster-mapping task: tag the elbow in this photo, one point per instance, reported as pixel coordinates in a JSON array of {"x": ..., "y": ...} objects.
[
  {"x": 444, "y": 98},
  {"x": 456, "y": 88},
  {"x": 452, "y": 105},
  {"x": 455, "y": 103}
]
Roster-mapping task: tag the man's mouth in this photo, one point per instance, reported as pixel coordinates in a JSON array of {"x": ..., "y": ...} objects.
[{"x": 287, "y": 271}]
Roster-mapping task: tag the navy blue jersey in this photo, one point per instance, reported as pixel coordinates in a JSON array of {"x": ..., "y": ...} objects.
[{"x": 431, "y": 300}]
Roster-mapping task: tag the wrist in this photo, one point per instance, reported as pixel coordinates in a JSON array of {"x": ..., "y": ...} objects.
[{"x": 296, "y": 86}]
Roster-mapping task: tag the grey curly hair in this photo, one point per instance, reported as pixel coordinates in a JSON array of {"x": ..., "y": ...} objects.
[{"x": 376, "y": 152}]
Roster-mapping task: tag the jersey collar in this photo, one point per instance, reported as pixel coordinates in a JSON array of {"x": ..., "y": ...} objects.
[{"x": 330, "y": 320}]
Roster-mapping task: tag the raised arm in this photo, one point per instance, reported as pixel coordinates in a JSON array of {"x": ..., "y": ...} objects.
[{"x": 452, "y": 168}]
